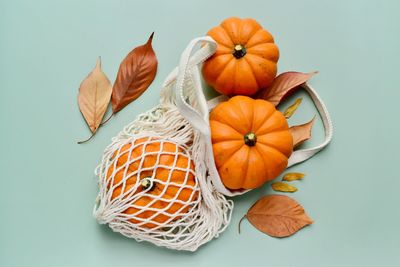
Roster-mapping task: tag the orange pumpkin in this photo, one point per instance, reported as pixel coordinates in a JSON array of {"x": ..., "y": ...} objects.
[
  {"x": 159, "y": 178},
  {"x": 245, "y": 60},
  {"x": 251, "y": 142}
]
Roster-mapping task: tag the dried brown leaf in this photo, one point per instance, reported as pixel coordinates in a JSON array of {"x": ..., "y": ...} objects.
[
  {"x": 136, "y": 72},
  {"x": 301, "y": 133},
  {"x": 293, "y": 176},
  {"x": 278, "y": 216},
  {"x": 283, "y": 187},
  {"x": 284, "y": 84},
  {"x": 292, "y": 108},
  {"x": 94, "y": 97}
]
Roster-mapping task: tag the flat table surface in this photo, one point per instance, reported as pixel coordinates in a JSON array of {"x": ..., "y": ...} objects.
[{"x": 48, "y": 187}]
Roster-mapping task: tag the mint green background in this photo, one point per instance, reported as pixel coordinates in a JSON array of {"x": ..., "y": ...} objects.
[{"x": 48, "y": 188}]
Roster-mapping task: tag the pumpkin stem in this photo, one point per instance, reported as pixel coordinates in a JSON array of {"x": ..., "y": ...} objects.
[
  {"x": 239, "y": 51},
  {"x": 250, "y": 139},
  {"x": 147, "y": 183}
]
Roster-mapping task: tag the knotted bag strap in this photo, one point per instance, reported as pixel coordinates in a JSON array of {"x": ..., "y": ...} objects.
[
  {"x": 304, "y": 154},
  {"x": 188, "y": 69},
  {"x": 199, "y": 118}
]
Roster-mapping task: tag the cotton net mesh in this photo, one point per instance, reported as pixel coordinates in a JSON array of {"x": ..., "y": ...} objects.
[{"x": 153, "y": 179}]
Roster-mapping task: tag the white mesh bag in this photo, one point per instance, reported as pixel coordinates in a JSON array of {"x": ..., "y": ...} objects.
[
  {"x": 153, "y": 178},
  {"x": 158, "y": 180}
]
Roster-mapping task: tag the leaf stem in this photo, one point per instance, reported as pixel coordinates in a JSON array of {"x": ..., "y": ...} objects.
[
  {"x": 240, "y": 222},
  {"x": 84, "y": 141},
  {"x": 104, "y": 122}
]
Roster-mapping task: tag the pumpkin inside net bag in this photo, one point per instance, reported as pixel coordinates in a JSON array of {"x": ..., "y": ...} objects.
[
  {"x": 158, "y": 180},
  {"x": 154, "y": 182}
]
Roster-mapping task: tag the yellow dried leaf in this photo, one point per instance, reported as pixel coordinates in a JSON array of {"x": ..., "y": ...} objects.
[
  {"x": 283, "y": 187},
  {"x": 292, "y": 176},
  {"x": 292, "y": 108}
]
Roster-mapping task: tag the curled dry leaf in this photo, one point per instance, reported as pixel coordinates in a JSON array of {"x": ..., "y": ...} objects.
[
  {"x": 94, "y": 97},
  {"x": 293, "y": 176},
  {"x": 284, "y": 84},
  {"x": 301, "y": 133},
  {"x": 136, "y": 72},
  {"x": 292, "y": 108},
  {"x": 283, "y": 187},
  {"x": 278, "y": 216}
]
